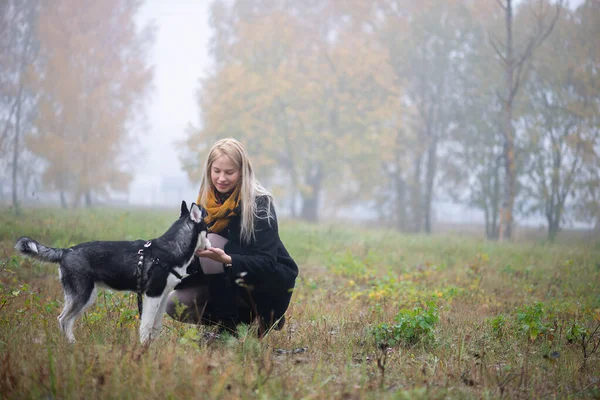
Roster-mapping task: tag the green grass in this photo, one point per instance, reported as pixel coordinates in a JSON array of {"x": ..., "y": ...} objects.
[{"x": 375, "y": 314}]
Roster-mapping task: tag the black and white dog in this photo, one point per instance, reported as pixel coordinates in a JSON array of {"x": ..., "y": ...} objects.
[{"x": 150, "y": 268}]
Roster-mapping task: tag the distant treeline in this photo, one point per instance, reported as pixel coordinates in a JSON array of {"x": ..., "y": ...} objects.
[
  {"x": 396, "y": 103},
  {"x": 388, "y": 103}
]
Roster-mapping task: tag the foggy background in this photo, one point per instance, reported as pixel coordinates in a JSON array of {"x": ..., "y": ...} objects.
[
  {"x": 180, "y": 56},
  {"x": 340, "y": 53}
]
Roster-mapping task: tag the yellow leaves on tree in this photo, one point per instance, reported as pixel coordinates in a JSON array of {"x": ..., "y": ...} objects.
[
  {"x": 302, "y": 96},
  {"x": 91, "y": 80}
]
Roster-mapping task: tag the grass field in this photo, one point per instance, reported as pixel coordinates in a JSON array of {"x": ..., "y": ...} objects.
[{"x": 374, "y": 315}]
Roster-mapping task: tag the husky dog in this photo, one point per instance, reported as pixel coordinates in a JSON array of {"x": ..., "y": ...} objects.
[{"x": 151, "y": 268}]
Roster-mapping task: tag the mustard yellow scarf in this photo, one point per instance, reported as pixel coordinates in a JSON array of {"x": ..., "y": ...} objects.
[{"x": 219, "y": 214}]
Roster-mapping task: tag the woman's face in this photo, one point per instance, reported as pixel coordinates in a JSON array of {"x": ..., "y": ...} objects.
[{"x": 224, "y": 174}]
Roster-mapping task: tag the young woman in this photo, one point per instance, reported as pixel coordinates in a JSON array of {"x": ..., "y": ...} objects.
[{"x": 247, "y": 275}]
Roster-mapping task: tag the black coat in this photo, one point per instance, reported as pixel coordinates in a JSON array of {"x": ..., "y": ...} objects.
[{"x": 270, "y": 270}]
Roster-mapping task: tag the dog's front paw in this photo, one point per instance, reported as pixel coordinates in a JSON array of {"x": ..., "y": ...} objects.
[{"x": 204, "y": 243}]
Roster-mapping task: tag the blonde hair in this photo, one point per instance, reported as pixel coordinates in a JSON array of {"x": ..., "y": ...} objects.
[{"x": 250, "y": 188}]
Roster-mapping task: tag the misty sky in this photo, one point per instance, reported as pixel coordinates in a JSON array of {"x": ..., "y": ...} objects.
[{"x": 180, "y": 58}]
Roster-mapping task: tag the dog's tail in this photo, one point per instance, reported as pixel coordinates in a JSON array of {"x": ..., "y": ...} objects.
[{"x": 31, "y": 248}]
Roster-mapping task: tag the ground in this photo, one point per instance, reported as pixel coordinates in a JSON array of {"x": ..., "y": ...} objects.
[{"x": 375, "y": 314}]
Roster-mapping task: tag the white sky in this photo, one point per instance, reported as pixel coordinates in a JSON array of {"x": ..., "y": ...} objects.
[{"x": 180, "y": 59}]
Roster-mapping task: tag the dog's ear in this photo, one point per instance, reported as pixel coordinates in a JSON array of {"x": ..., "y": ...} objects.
[
  {"x": 184, "y": 209},
  {"x": 195, "y": 213}
]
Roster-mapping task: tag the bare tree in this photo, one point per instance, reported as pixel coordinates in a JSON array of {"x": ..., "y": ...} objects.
[
  {"x": 19, "y": 51},
  {"x": 514, "y": 64}
]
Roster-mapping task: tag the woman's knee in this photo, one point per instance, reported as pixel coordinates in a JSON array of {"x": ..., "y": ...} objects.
[{"x": 187, "y": 305}]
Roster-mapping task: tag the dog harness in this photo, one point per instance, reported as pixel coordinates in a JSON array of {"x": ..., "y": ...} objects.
[{"x": 141, "y": 282}]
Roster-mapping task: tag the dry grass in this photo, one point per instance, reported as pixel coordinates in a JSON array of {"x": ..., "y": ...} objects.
[{"x": 351, "y": 281}]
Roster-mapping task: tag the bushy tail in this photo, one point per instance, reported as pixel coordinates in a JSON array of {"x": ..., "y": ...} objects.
[{"x": 31, "y": 248}]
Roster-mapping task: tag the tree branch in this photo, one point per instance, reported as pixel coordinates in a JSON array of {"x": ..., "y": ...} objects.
[
  {"x": 8, "y": 124},
  {"x": 533, "y": 43},
  {"x": 494, "y": 42}
]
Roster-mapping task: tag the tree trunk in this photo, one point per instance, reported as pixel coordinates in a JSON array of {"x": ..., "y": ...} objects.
[
  {"x": 86, "y": 190},
  {"x": 310, "y": 201},
  {"x": 509, "y": 188},
  {"x": 399, "y": 214},
  {"x": 294, "y": 192},
  {"x": 509, "y": 150},
  {"x": 554, "y": 215},
  {"x": 15, "y": 163},
  {"x": 486, "y": 218},
  {"x": 416, "y": 196},
  {"x": 553, "y": 203},
  {"x": 289, "y": 161},
  {"x": 488, "y": 212},
  {"x": 309, "y": 208},
  {"x": 431, "y": 172},
  {"x": 514, "y": 75},
  {"x": 88, "y": 198},
  {"x": 63, "y": 199},
  {"x": 24, "y": 54},
  {"x": 553, "y": 226},
  {"x": 293, "y": 207},
  {"x": 490, "y": 187},
  {"x": 400, "y": 201},
  {"x": 495, "y": 201}
]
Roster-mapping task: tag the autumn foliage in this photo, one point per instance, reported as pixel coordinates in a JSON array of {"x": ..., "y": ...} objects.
[
  {"x": 91, "y": 78},
  {"x": 395, "y": 105}
]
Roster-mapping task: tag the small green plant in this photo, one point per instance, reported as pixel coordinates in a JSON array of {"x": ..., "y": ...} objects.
[
  {"x": 576, "y": 331},
  {"x": 498, "y": 324},
  {"x": 190, "y": 338},
  {"x": 411, "y": 327},
  {"x": 531, "y": 320}
]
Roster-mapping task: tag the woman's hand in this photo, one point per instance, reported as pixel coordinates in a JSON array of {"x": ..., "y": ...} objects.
[{"x": 216, "y": 254}]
